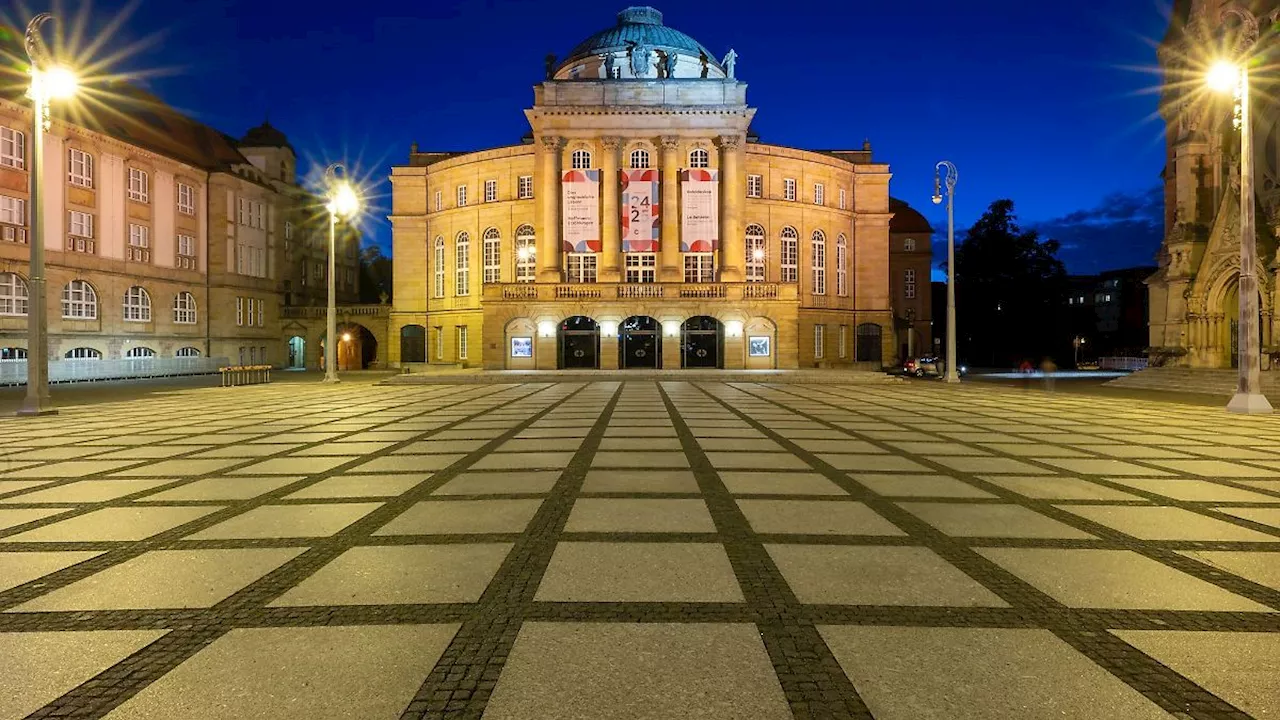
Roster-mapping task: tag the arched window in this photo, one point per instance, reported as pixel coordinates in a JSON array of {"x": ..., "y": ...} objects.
[
  {"x": 140, "y": 352},
  {"x": 79, "y": 301},
  {"x": 909, "y": 245},
  {"x": 755, "y": 253},
  {"x": 13, "y": 294},
  {"x": 439, "y": 266},
  {"x": 842, "y": 267},
  {"x": 462, "y": 264},
  {"x": 790, "y": 255},
  {"x": 184, "y": 308},
  {"x": 699, "y": 159},
  {"x": 492, "y": 253},
  {"x": 188, "y": 352},
  {"x": 819, "y": 263},
  {"x": 639, "y": 159},
  {"x": 83, "y": 353},
  {"x": 581, "y": 160},
  {"x": 525, "y": 250},
  {"x": 137, "y": 305},
  {"x": 13, "y": 353}
]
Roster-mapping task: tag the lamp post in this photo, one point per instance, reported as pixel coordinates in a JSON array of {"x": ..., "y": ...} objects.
[
  {"x": 951, "y": 375},
  {"x": 47, "y": 83},
  {"x": 1233, "y": 75},
  {"x": 344, "y": 203},
  {"x": 1076, "y": 342}
]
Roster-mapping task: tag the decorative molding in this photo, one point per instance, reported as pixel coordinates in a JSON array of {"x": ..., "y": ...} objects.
[
  {"x": 670, "y": 142},
  {"x": 731, "y": 142},
  {"x": 553, "y": 143},
  {"x": 611, "y": 142}
]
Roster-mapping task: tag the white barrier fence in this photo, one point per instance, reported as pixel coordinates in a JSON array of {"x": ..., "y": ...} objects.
[
  {"x": 1122, "y": 363},
  {"x": 14, "y": 372}
]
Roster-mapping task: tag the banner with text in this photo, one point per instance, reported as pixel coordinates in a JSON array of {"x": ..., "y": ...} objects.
[
  {"x": 640, "y": 210},
  {"x": 580, "y": 191},
  {"x": 700, "y": 210}
]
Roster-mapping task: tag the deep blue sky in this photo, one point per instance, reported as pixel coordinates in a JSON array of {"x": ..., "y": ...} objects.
[{"x": 1050, "y": 104}]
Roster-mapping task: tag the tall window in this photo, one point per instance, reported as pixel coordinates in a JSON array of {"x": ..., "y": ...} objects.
[
  {"x": 462, "y": 264},
  {"x": 439, "y": 342},
  {"x": 819, "y": 263},
  {"x": 439, "y": 266},
  {"x": 492, "y": 253},
  {"x": 755, "y": 253},
  {"x": 524, "y": 187},
  {"x": 13, "y": 211},
  {"x": 755, "y": 186},
  {"x": 641, "y": 267},
  {"x": 581, "y": 160},
  {"x": 240, "y": 312},
  {"x": 139, "y": 243},
  {"x": 13, "y": 294},
  {"x": 909, "y": 245},
  {"x": 462, "y": 196},
  {"x": 819, "y": 340},
  {"x": 582, "y": 267},
  {"x": 138, "y": 185},
  {"x": 186, "y": 256},
  {"x": 439, "y": 201},
  {"x": 462, "y": 342},
  {"x": 788, "y": 189},
  {"x": 79, "y": 301},
  {"x": 137, "y": 305},
  {"x": 909, "y": 283},
  {"x": 184, "y": 308},
  {"x": 843, "y": 200},
  {"x": 490, "y": 190},
  {"x": 844, "y": 341},
  {"x": 790, "y": 255},
  {"x": 819, "y": 194},
  {"x": 639, "y": 159},
  {"x": 842, "y": 266},
  {"x": 13, "y": 148},
  {"x": 699, "y": 268},
  {"x": 80, "y": 168},
  {"x": 699, "y": 158},
  {"x": 187, "y": 200},
  {"x": 525, "y": 252}
]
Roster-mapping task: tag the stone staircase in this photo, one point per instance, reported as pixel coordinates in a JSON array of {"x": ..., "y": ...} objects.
[{"x": 1204, "y": 381}]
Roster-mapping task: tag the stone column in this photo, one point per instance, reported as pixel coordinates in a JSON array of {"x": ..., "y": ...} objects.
[
  {"x": 547, "y": 162},
  {"x": 732, "y": 242},
  {"x": 669, "y": 263},
  {"x": 610, "y": 220}
]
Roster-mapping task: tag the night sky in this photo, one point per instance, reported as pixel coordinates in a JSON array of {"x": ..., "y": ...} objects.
[{"x": 1050, "y": 104}]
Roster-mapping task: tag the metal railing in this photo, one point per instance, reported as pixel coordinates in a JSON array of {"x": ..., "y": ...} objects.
[
  {"x": 234, "y": 375},
  {"x": 14, "y": 372},
  {"x": 1122, "y": 363},
  {"x": 297, "y": 312}
]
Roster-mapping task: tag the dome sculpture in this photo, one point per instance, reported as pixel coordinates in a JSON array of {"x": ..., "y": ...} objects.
[{"x": 639, "y": 46}]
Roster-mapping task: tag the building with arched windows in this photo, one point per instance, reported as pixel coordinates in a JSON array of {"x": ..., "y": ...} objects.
[{"x": 642, "y": 224}]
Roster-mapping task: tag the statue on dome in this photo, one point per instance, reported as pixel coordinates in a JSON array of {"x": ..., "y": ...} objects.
[
  {"x": 671, "y": 63},
  {"x": 729, "y": 61},
  {"x": 551, "y": 66},
  {"x": 705, "y": 62},
  {"x": 641, "y": 59},
  {"x": 608, "y": 65}
]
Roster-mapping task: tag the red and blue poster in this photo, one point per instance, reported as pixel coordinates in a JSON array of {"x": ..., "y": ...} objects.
[
  {"x": 640, "y": 216},
  {"x": 580, "y": 191},
  {"x": 699, "y": 210}
]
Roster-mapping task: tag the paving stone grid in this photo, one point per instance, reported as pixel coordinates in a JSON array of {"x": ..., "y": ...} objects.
[{"x": 639, "y": 549}]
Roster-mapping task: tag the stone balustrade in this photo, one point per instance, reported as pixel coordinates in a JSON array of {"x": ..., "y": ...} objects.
[{"x": 542, "y": 292}]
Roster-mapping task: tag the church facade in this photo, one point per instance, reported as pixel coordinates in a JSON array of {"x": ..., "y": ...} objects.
[
  {"x": 1194, "y": 295},
  {"x": 642, "y": 224}
]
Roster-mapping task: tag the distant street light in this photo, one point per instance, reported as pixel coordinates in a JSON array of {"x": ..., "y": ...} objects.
[
  {"x": 48, "y": 83},
  {"x": 951, "y": 375},
  {"x": 1233, "y": 75},
  {"x": 1076, "y": 342},
  {"x": 343, "y": 203}
]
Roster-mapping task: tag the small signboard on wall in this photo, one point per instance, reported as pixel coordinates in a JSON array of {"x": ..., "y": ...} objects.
[
  {"x": 758, "y": 346},
  {"x": 521, "y": 347}
]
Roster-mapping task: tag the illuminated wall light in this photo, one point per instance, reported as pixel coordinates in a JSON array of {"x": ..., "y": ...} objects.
[
  {"x": 546, "y": 328},
  {"x": 671, "y": 328},
  {"x": 609, "y": 329},
  {"x": 733, "y": 328}
]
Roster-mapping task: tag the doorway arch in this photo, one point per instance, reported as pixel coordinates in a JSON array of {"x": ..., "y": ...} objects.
[
  {"x": 702, "y": 343},
  {"x": 578, "y": 343},
  {"x": 639, "y": 343},
  {"x": 297, "y": 352}
]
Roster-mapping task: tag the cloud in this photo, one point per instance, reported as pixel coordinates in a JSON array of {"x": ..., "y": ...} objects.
[{"x": 1124, "y": 230}]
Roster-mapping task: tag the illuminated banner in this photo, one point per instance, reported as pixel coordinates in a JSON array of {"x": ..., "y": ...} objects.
[
  {"x": 699, "y": 216},
  {"x": 640, "y": 210},
  {"x": 580, "y": 190}
]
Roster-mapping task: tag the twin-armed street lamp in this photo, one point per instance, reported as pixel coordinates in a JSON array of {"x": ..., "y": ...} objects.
[
  {"x": 48, "y": 82},
  {"x": 343, "y": 203},
  {"x": 951, "y": 375},
  {"x": 1233, "y": 75}
]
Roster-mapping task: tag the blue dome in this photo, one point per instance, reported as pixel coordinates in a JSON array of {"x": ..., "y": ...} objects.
[{"x": 637, "y": 25}]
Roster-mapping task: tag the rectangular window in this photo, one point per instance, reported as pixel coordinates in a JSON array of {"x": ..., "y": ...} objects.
[
  {"x": 462, "y": 342},
  {"x": 13, "y": 211},
  {"x": 490, "y": 190},
  {"x": 790, "y": 260},
  {"x": 240, "y": 312},
  {"x": 582, "y": 267},
  {"x": 262, "y": 309},
  {"x": 699, "y": 268},
  {"x": 80, "y": 168},
  {"x": 525, "y": 187},
  {"x": 755, "y": 186},
  {"x": 439, "y": 342},
  {"x": 462, "y": 267},
  {"x": 13, "y": 148},
  {"x": 819, "y": 340},
  {"x": 80, "y": 232},
  {"x": 242, "y": 211},
  {"x": 138, "y": 190},
  {"x": 844, "y": 340},
  {"x": 186, "y": 259},
  {"x": 492, "y": 260},
  {"x": 909, "y": 284},
  {"x": 843, "y": 200},
  {"x": 288, "y": 230},
  {"x": 462, "y": 196},
  {"x": 186, "y": 199},
  {"x": 139, "y": 249},
  {"x": 755, "y": 256},
  {"x": 788, "y": 189},
  {"x": 641, "y": 267},
  {"x": 439, "y": 201},
  {"x": 259, "y": 215},
  {"x": 819, "y": 194}
]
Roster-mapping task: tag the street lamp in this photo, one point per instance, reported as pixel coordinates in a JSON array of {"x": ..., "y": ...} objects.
[
  {"x": 1234, "y": 76},
  {"x": 344, "y": 203},
  {"x": 48, "y": 82},
  {"x": 1076, "y": 342},
  {"x": 951, "y": 375}
]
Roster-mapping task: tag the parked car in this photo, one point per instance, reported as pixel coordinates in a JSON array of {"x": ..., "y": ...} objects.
[{"x": 927, "y": 366}]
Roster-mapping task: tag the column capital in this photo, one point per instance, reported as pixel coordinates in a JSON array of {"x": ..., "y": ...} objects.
[
  {"x": 551, "y": 142},
  {"x": 670, "y": 142},
  {"x": 611, "y": 142},
  {"x": 730, "y": 142}
]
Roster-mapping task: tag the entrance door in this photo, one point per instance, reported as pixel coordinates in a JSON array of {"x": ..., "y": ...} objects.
[
  {"x": 701, "y": 343},
  {"x": 579, "y": 343},
  {"x": 639, "y": 344}
]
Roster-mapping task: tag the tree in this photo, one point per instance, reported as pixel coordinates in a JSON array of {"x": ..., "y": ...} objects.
[
  {"x": 1009, "y": 288},
  {"x": 375, "y": 274}
]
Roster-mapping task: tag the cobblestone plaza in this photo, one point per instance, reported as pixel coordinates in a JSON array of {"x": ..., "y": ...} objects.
[{"x": 639, "y": 549}]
